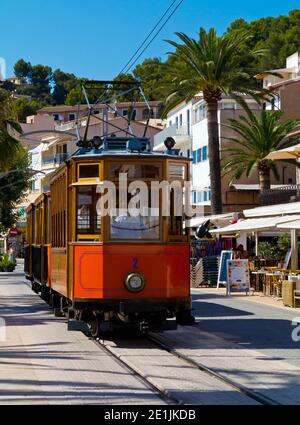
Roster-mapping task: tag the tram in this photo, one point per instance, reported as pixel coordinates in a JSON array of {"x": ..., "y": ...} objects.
[{"x": 97, "y": 266}]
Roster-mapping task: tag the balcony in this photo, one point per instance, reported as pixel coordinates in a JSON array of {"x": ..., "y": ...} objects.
[
  {"x": 54, "y": 160},
  {"x": 180, "y": 134},
  {"x": 281, "y": 195}
]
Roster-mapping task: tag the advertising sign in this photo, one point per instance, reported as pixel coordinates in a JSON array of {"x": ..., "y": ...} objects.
[
  {"x": 238, "y": 275},
  {"x": 222, "y": 276}
]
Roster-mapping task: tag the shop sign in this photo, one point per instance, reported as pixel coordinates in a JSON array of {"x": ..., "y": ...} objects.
[{"x": 238, "y": 277}]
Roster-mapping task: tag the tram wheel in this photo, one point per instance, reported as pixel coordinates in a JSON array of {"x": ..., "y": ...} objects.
[{"x": 95, "y": 327}]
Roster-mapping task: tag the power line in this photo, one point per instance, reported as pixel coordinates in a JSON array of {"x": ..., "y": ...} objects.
[{"x": 129, "y": 65}]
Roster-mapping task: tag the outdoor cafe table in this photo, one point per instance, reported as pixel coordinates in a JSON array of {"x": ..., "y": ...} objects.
[{"x": 257, "y": 274}]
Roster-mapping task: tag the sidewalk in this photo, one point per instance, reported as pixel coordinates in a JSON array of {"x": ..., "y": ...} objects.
[{"x": 257, "y": 297}]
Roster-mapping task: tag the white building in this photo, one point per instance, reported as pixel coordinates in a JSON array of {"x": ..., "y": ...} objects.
[{"x": 187, "y": 124}]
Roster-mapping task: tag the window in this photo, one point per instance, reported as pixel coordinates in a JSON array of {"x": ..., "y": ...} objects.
[
  {"x": 72, "y": 117},
  {"x": 188, "y": 122},
  {"x": 188, "y": 153},
  {"x": 209, "y": 195},
  {"x": 177, "y": 172},
  {"x": 56, "y": 117},
  {"x": 170, "y": 123},
  {"x": 133, "y": 171},
  {"x": 88, "y": 211},
  {"x": 180, "y": 120},
  {"x": 88, "y": 171},
  {"x": 124, "y": 227},
  {"x": 195, "y": 197},
  {"x": 205, "y": 196},
  {"x": 199, "y": 197},
  {"x": 96, "y": 112},
  {"x": 228, "y": 105},
  {"x": 204, "y": 153},
  {"x": 58, "y": 212},
  {"x": 124, "y": 112},
  {"x": 176, "y": 122},
  {"x": 175, "y": 222},
  {"x": 199, "y": 155},
  {"x": 194, "y": 157}
]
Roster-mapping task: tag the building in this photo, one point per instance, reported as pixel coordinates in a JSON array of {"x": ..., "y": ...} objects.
[
  {"x": 286, "y": 92},
  {"x": 187, "y": 124}
]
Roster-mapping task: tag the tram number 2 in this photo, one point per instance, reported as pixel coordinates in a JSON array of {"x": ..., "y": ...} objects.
[{"x": 135, "y": 263}]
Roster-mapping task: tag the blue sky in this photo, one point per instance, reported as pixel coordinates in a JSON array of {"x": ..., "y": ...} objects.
[{"x": 95, "y": 38}]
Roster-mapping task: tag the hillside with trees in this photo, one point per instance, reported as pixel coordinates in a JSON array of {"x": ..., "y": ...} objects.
[{"x": 278, "y": 37}]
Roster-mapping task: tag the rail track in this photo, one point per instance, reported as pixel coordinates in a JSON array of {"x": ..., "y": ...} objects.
[
  {"x": 164, "y": 344},
  {"x": 163, "y": 394}
]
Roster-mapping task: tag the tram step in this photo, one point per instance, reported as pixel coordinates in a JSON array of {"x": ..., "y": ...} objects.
[{"x": 77, "y": 326}]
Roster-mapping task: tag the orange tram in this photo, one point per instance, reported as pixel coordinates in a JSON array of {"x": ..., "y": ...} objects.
[{"x": 102, "y": 271}]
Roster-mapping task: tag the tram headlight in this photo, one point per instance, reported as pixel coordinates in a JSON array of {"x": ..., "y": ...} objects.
[{"x": 135, "y": 282}]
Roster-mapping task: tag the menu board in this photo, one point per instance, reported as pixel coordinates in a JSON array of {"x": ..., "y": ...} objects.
[
  {"x": 238, "y": 276},
  {"x": 222, "y": 276}
]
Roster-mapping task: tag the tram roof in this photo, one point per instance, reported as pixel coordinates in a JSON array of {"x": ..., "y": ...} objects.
[{"x": 125, "y": 146}]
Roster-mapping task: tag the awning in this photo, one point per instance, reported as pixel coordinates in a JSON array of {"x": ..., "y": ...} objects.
[
  {"x": 292, "y": 225},
  {"x": 216, "y": 219},
  {"x": 292, "y": 152},
  {"x": 254, "y": 224},
  {"x": 291, "y": 208}
]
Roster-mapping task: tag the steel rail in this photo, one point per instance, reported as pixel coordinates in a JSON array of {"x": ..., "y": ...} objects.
[
  {"x": 163, "y": 394},
  {"x": 162, "y": 342}
]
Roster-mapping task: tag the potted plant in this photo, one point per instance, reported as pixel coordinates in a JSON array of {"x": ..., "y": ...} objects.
[{"x": 6, "y": 265}]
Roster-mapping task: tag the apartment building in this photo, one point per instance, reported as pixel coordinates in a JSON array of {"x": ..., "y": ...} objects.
[{"x": 187, "y": 124}]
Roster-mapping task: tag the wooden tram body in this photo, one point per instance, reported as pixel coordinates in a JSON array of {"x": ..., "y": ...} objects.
[{"x": 81, "y": 261}]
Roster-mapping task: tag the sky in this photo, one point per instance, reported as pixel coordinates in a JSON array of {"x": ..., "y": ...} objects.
[{"x": 95, "y": 38}]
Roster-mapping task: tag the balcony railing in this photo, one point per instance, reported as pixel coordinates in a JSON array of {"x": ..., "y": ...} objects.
[
  {"x": 280, "y": 195},
  {"x": 54, "y": 159},
  {"x": 171, "y": 131}
]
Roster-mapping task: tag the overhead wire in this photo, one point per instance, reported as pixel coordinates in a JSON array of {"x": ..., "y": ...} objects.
[{"x": 132, "y": 61}]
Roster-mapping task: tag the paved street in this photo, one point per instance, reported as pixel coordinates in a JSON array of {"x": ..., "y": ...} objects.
[
  {"x": 253, "y": 325},
  {"x": 42, "y": 363},
  {"x": 246, "y": 341}
]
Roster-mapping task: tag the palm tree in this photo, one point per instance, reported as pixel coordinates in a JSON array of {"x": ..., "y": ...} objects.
[
  {"x": 9, "y": 146},
  {"x": 212, "y": 66},
  {"x": 256, "y": 137}
]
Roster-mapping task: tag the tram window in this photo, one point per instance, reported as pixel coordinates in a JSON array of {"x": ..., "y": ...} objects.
[
  {"x": 177, "y": 171},
  {"x": 175, "y": 222},
  {"x": 136, "y": 228},
  {"x": 88, "y": 210},
  {"x": 142, "y": 227},
  {"x": 88, "y": 171},
  {"x": 133, "y": 171}
]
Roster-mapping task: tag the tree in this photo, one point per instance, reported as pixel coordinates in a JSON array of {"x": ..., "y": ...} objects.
[
  {"x": 25, "y": 108},
  {"x": 13, "y": 183},
  {"x": 212, "y": 66},
  {"x": 8, "y": 145},
  {"x": 152, "y": 73},
  {"x": 63, "y": 84},
  {"x": 40, "y": 79},
  {"x": 256, "y": 137},
  {"x": 22, "y": 69},
  {"x": 14, "y": 162}
]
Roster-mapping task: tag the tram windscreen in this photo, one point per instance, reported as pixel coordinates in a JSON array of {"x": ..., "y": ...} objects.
[{"x": 142, "y": 226}]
